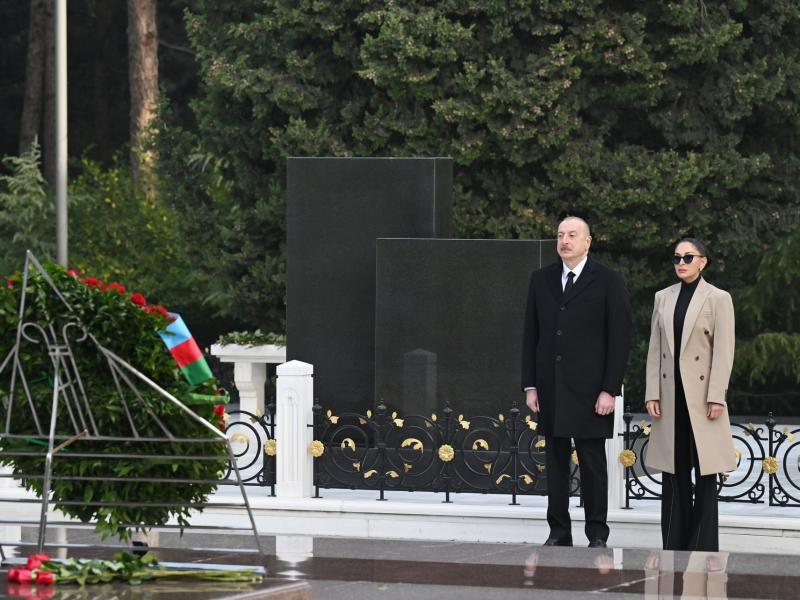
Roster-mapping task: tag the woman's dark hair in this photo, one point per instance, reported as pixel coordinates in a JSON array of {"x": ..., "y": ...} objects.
[{"x": 701, "y": 248}]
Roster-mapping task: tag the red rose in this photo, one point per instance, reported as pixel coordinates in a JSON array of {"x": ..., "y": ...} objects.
[
  {"x": 221, "y": 425},
  {"x": 33, "y": 562},
  {"x": 219, "y": 409},
  {"x": 164, "y": 312},
  {"x": 13, "y": 575},
  {"x": 92, "y": 282},
  {"x": 45, "y": 577},
  {"x": 117, "y": 286},
  {"x": 10, "y": 283},
  {"x": 73, "y": 273},
  {"x": 24, "y": 576},
  {"x": 42, "y": 556},
  {"x": 138, "y": 299}
]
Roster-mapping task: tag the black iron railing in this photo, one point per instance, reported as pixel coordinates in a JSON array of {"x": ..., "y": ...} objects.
[
  {"x": 763, "y": 452},
  {"x": 442, "y": 452}
]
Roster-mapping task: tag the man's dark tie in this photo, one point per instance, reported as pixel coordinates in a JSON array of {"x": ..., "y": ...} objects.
[{"x": 570, "y": 282}]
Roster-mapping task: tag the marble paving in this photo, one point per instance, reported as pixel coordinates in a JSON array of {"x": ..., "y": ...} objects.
[{"x": 356, "y": 569}]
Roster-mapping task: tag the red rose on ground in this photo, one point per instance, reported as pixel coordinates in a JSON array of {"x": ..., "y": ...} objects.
[
  {"x": 13, "y": 575},
  {"x": 138, "y": 299},
  {"x": 219, "y": 409},
  {"x": 24, "y": 576},
  {"x": 93, "y": 282},
  {"x": 116, "y": 286},
  {"x": 45, "y": 577},
  {"x": 33, "y": 563},
  {"x": 42, "y": 556}
]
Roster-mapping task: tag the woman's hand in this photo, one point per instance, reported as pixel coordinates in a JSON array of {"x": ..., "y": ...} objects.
[
  {"x": 714, "y": 410},
  {"x": 653, "y": 408}
]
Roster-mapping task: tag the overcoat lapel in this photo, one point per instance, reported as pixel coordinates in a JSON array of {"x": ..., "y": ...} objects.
[
  {"x": 554, "y": 280},
  {"x": 670, "y": 300},
  {"x": 698, "y": 298}
]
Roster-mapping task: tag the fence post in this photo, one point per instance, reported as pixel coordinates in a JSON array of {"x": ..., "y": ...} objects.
[
  {"x": 295, "y": 394},
  {"x": 616, "y": 473}
]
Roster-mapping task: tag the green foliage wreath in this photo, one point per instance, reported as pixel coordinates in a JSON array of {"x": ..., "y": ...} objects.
[{"x": 134, "y": 493}]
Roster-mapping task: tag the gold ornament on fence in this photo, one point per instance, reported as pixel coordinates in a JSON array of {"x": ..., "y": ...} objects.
[
  {"x": 239, "y": 437},
  {"x": 446, "y": 453},
  {"x": 414, "y": 443},
  {"x": 770, "y": 465},
  {"x": 316, "y": 448},
  {"x": 540, "y": 444},
  {"x": 527, "y": 479},
  {"x": 503, "y": 476},
  {"x": 627, "y": 458},
  {"x": 271, "y": 447},
  {"x": 480, "y": 444},
  {"x": 531, "y": 423},
  {"x": 575, "y": 457},
  {"x": 332, "y": 418}
]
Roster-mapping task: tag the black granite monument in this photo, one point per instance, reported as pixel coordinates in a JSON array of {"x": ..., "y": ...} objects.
[
  {"x": 449, "y": 317},
  {"x": 337, "y": 208}
]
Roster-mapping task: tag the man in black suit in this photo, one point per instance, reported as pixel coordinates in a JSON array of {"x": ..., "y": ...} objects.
[{"x": 574, "y": 353}]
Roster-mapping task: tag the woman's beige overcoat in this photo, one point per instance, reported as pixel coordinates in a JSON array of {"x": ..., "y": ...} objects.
[{"x": 706, "y": 360}]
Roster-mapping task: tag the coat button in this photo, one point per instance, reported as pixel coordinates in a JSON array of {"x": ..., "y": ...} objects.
[
  {"x": 697, "y": 358},
  {"x": 562, "y": 307},
  {"x": 664, "y": 375},
  {"x": 558, "y": 332},
  {"x": 664, "y": 355},
  {"x": 706, "y": 332},
  {"x": 702, "y": 377},
  {"x": 558, "y": 358}
]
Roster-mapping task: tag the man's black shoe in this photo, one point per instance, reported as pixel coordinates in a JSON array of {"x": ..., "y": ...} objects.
[
  {"x": 562, "y": 541},
  {"x": 597, "y": 544}
]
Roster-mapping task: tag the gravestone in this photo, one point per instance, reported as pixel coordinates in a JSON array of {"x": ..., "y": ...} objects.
[
  {"x": 336, "y": 209},
  {"x": 449, "y": 318}
]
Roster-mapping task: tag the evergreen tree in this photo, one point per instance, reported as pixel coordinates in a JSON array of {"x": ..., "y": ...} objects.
[{"x": 651, "y": 120}]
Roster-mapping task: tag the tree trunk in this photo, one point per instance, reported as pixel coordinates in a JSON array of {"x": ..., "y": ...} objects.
[
  {"x": 143, "y": 78},
  {"x": 34, "y": 73},
  {"x": 49, "y": 122}
]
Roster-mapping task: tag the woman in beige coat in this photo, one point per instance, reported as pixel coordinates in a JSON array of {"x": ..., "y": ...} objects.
[{"x": 689, "y": 364}]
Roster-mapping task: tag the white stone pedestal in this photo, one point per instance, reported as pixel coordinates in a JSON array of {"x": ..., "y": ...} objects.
[
  {"x": 250, "y": 370},
  {"x": 293, "y": 415}
]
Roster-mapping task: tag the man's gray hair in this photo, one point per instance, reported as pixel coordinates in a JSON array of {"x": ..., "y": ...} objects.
[{"x": 585, "y": 224}]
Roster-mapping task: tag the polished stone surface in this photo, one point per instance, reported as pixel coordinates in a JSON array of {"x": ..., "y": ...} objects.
[
  {"x": 448, "y": 325},
  {"x": 356, "y": 569},
  {"x": 336, "y": 209}
]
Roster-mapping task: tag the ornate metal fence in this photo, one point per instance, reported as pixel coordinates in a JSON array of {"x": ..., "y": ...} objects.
[
  {"x": 764, "y": 452},
  {"x": 448, "y": 453},
  {"x": 252, "y": 438},
  {"x": 441, "y": 452}
]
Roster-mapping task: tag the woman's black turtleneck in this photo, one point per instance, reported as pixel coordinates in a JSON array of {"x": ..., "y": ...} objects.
[{"x": 681, "y": 306}]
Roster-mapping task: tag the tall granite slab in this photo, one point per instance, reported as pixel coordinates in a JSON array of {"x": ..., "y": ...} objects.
[
  {"x": 336, "y": 209},
  {"x": 448, "y": 325}
]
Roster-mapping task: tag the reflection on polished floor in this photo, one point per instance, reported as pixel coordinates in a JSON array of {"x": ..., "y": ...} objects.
[{"x": 355, "y": 569}]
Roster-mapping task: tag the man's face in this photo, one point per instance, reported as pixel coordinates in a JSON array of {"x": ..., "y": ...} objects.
[{"x": 573, "y": 241}]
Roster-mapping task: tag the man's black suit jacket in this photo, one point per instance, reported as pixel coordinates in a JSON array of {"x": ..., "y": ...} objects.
[{"x": 575, "y": 346}]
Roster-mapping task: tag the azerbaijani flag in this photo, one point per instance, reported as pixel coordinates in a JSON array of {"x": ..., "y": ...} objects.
[{"x": 185, "y": 351}]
